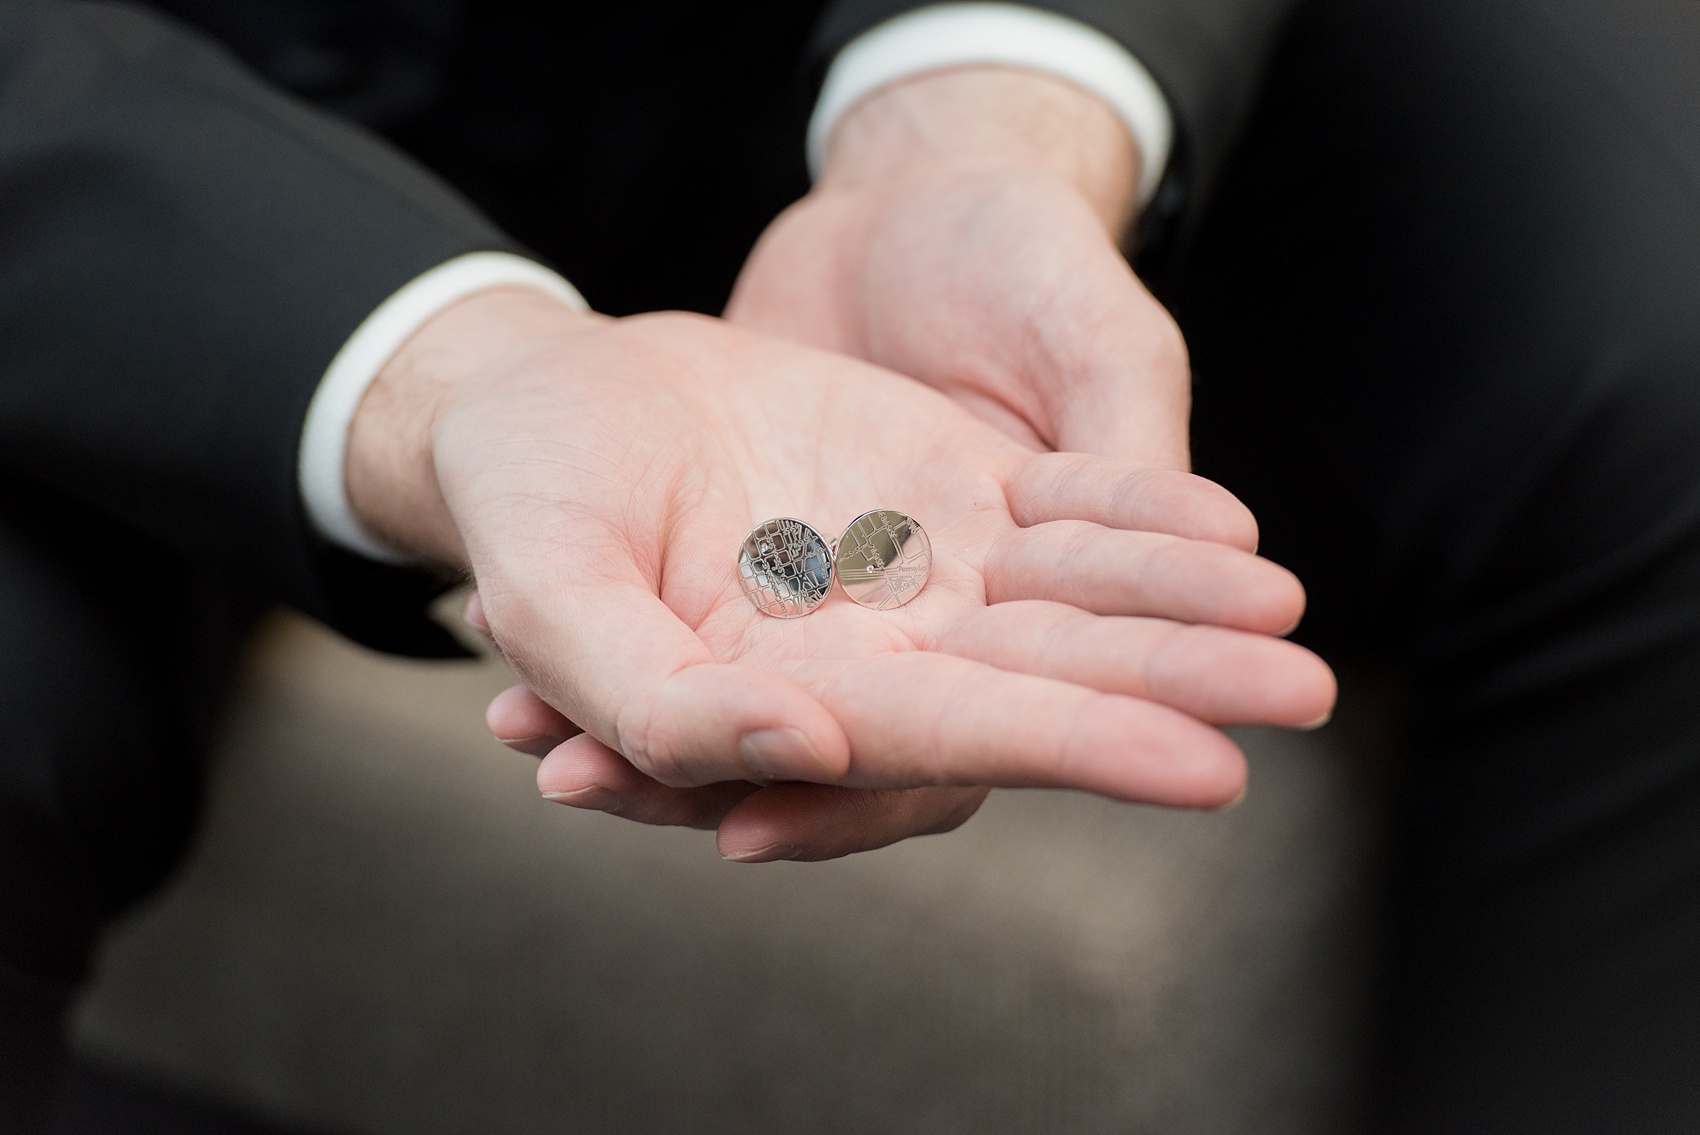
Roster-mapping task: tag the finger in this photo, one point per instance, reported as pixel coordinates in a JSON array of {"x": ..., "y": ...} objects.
[
  {"x": 524, "y": 722},
  {"x": 1120, "y": 494},
  {"x": 473, "y": 613},
  {"x": 1112, "y": 572},
  {"x": 584, "y": 773},
  {"x": 613, "y": 658},
  {"x": 1224, "y": 677},
  {"x": 817, "y": 821},
  {"x": 922, "y": 718}
]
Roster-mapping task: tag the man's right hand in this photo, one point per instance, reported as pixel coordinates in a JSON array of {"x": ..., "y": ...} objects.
[
  {"x": 596, "y": 477},
  {"x": 965, "y": 232}
]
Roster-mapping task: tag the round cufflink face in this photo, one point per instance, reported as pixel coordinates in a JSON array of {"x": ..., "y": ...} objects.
[
  {"x": 785, "y": 567},
  {"x": 883, "y": 559}
]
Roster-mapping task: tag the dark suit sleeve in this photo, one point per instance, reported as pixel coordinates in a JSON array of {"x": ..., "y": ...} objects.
[
  {"x": 1207, "y": 55},
  {"x": 182, "y": 252}
]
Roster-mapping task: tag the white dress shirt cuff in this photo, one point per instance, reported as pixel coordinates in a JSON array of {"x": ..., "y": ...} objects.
[
  {"x": 960, "y": 35},
  {"x": 324, "y": 436}
]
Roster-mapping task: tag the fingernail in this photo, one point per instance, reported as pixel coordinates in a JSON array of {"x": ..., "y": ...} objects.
[
  {"x": 1236, "y": 801},
  {"x": 595, "y": 797},
  {"x": 539, "y": 746},
  {"x": 772, "y": 853},
  {"x": 1318, "y": 723},
  {"x": 778, "y": 753}
]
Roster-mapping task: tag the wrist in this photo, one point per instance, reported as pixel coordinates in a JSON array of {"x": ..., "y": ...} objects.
[
  {"x": 985, "y": 120},
  {"x": 390, "y": 467}
]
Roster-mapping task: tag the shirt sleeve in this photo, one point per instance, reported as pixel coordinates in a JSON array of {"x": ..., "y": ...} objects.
[
  {"x": 956, "y": 35},
  {"x": 1207, "y": 57}
]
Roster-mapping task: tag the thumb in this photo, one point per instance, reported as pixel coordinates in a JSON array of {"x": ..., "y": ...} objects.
[
  {"x": 613, "y": 658},
  {"x": 1124, "y": 389},
  {"x": 1109, "y": 364}
]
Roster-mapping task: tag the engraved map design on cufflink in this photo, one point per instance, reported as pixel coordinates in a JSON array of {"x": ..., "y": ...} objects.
[
  {"x": 883, "y": 559},
  {"x": 785, "y": 567}
]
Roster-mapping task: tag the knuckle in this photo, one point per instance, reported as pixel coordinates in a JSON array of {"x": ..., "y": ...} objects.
[{"x": 646, "y": 745}]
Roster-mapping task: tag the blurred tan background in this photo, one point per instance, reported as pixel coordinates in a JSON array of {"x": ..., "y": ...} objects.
[{"x": 384, "y": 930}]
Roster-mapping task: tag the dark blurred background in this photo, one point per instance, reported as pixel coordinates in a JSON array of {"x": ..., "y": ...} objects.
[{"x": 505, "y": 97}]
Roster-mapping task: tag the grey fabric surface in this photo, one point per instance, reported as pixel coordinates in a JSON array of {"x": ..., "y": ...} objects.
[{"x": 385, "y": 930}]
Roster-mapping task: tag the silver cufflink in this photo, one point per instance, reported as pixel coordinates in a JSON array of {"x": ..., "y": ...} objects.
[{"x": 787, "y": 567}]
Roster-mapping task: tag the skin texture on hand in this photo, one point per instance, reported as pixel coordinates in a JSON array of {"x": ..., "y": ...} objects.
[
  {"x": 965, "y": 232},
  {"x": 596, "y": 476}
]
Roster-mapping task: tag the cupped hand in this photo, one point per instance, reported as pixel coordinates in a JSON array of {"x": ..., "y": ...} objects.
[
  {"x": 597, "y": 476},
  {"x": 965, "y": 232}
]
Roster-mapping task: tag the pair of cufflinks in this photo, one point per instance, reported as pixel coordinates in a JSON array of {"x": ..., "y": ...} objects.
[{"x": 787, "y": 567}]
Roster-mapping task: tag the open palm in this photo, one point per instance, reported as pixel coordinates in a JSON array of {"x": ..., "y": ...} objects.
[{"x": 602, "y": 479}]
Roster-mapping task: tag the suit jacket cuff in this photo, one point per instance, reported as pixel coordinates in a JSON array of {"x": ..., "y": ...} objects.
[{"x": 964, "y": 34}]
